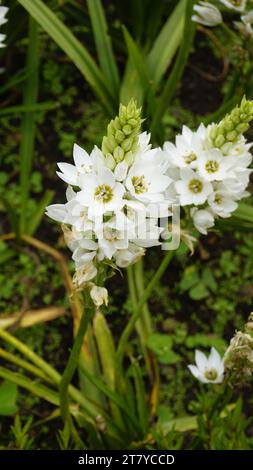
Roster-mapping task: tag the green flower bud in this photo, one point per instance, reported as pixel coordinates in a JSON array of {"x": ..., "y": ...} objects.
[
  {"x": 127, "y": 129},
  {"x": 110, "y": 162},
  {"x": 118, "y": 154},
  {"x": 119, "y": 136},
  {"x": 122, "y": 135},
  {"x": 230, "y": 129}
]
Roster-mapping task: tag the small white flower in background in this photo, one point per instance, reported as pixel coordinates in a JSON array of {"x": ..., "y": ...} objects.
[
  {"x": 208, "y": 369},
  {"x": 3, "y": 19},
  {"x": 237, "y": 5},
  {"x": 207, "y": 14}
]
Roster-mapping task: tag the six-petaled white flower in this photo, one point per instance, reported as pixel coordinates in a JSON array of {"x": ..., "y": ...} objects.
[{"x": 208, "y": 369}]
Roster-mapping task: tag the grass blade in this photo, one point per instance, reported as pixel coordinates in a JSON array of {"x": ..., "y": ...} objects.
[
  {"x": 136, "y": 57},
  {"x": 29, "y": 108},
  {"x": 166, "y": 44},
  {"x": 40, "y": 211},
  {"x": 74, "y": 50},
  {"x": 103, "y": 44}
]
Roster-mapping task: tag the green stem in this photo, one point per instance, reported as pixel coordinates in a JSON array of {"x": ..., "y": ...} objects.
[
  {"x": 139, "y": 276},
  {"x": 73, "y": 362},
  {"x": 138, "y": 310},
  {"x": 230, "y": 33}
]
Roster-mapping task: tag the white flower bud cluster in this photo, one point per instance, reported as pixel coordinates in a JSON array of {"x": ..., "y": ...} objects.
[{"x": 114, "y": 214}]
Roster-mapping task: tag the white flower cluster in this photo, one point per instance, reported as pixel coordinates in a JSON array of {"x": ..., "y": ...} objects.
[
  {"x": 113, "y": 214},
  {"x": 3, "y": 11},
  {"x": 117, "y": 196},
  {"x": 205, "y": 178}
]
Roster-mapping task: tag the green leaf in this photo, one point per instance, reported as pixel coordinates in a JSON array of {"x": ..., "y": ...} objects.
[
  {"x": 142, "y": 407},
  {"x": 244, "y": 212},
  {"x": 28, "y": 108},
  {"x": 204, "y": 341},
  {"x": 199, "y": 292},
  {"x": 40, "y": 210},
  {"x": 190, "y": 278},
  {"x": 209, "y": 280},
  {"x": 161, "y": 345},
  {"x": 8, "y": 398},
  {"x": 131, "y": 85},
  {"x": 166, "y": 44},
  {"x": 74, "y": 50},
  {"x": 136, "y": 57},
  {"x": 103, "y": 44},
  {"x": 185, "y": 424}
]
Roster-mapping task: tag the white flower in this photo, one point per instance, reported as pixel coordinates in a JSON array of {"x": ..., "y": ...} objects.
[
  {"x": 238, "y": 5},
  {"x": 3, "y": 11},
  {"x": 144, "y": 145},
  {"x": 72, "y": 213},
  {"x": 101, "y": 193},
  {"x": 207, "y": 14},
  {"x": 192, "y": 188},
  {"x": 221, "y": 201},
  {"x": 208, "y": 370},
  {"x": 99, "y": 295},
  {"x": 212, "y": 165},
  {"x": 146, "y": 180},
  {"x": 203, "y": 219},
  {"x": 85, "y": 251},
  {"x": 188, "y": 146},
  {"x": 83, "y": 165},
  {"x": 84, "y": 274},
  {"x": 111, "y": 237}
]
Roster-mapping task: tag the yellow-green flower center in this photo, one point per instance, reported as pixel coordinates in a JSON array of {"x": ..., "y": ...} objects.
[
  {"x": 190, "y": 157},
  {"x": 236, "y": 3},
  {"x": 218, "y": 198},
  {"x": 111, "y": 234},
  {"x": 103, "y": 193},
  {"x": 139, "y": 184},
  {"x": 211, "y": 374},
  {"x": 195, "y": 186},
  {"x": 212, "y": 166}
]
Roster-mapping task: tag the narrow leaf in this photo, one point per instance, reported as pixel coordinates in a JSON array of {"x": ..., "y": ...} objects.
[
  {"x": 103, "y": 44},
  {"x": 74, "y": 50},
  {"x": 166, "y": 44}
]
